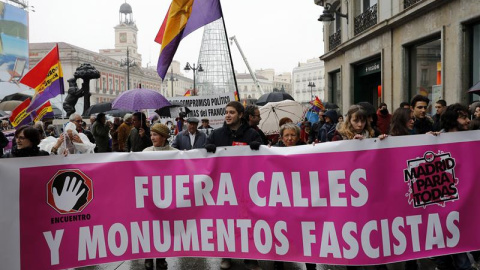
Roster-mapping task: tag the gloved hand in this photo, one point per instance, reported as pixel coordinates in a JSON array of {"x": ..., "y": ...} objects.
[
  {"x": 254, "y": 145},
  {"x": 211, "y": 148}
]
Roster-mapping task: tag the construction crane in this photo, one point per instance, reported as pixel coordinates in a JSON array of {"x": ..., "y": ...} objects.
[{"x": 255, "y": 80}]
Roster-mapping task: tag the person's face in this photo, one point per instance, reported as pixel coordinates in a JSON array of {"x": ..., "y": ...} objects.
[
  {"x": 384, "y": 107},
  {"x": 5, "y": 125},
  {"x": 327, "y": 119},
  {"x": 157, "y": 139},
  {"x": 320, "y": 116},
  {"x": 232, "y": 117},
  {"x": 463, "y": 121},
  {"x": 439, "y": 108},
  {"x": 116, "y": 121},
  {"x": 205, "y": 124},
  {"x": 92, "y": 119},
  {"x": 192, "y": 127},
  {"x": 477, "y": 112},
  {"x": 290, "y": 137},
  {"x": 136, "y": 122},
  {"x": 255, "y": 118},
  {"x": 357, "y": 124},
  {"x": 22, "y": 142},
  {"x": 128, "y": 121},
  {"x": 411, "y": 121},
  {"x": 78, "y": 122},
  {"x": 340, "y": 119},
  {"x": 420, "y": 109}
]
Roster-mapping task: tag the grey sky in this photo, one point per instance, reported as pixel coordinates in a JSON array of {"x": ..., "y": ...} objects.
[{"x": 273, "y": 33}]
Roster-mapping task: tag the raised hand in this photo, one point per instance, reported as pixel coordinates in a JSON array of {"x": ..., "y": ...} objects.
[{"x": 69, "y": 197}]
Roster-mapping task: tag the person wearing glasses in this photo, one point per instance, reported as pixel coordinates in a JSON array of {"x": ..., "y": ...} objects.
[
  {"x": 423, "y": 123},
  {"x": 78, "y": 121},
  {"x": 252, "y": 117},
  {"x": 27, "y": 139}
]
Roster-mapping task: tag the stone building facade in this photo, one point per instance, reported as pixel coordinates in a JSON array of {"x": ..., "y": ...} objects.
[{"x": 391, "y": 50}]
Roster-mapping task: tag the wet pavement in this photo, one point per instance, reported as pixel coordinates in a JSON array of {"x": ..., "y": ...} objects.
[{"x": 214, "y": 264}]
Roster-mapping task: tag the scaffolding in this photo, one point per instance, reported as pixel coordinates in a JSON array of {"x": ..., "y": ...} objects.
[{"x": 217, "y": 76}]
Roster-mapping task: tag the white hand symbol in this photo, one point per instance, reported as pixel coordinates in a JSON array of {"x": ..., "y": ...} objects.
[{"x": 69, "y": 197}]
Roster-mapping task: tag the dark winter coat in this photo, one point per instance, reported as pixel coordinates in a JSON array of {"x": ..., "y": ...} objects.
[
  {"x": 25, "y": 152},
  {"x": 135, "y": 143},
  {"x": 423, "y": 125},
  {"x": 182, "y": 141},
  {"x": 224, "y": 136}
]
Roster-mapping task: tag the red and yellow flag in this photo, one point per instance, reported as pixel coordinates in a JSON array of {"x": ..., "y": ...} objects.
[
  {"x": 20, "y": 116},
  {"x": 45, "y": 110},
  {"x": 46, "y": 78}
]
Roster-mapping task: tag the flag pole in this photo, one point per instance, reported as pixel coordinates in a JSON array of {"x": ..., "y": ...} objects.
[
  {"x": 61, "y": 100},
  {"x": 229, "y": 51}
]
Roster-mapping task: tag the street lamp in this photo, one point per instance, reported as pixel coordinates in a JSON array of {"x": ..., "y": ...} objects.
[
  {"x": 330, "y": 10},
  {"x": 311, "y": 85},
  {"x": 195, "y": 70},
  {"x": 172, "y": 79},
  {"x": 128, "y": 63}
]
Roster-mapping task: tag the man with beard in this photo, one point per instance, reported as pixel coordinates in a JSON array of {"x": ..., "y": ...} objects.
[
  {"x": 234, "y": 132},
  {"x": 383, "y": 119},
  {"x": 423, "y": 123},
  {"x": 440, "y": 106},
  {"x": 453, "y": 119},
  {"x": 252, "y": 117}
]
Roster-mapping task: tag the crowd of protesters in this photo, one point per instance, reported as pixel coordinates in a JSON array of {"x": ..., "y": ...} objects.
[{"x": 134, "y": 133}]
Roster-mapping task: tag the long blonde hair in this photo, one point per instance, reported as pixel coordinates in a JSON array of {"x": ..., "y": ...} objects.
[{"x": 346, "y": 129}]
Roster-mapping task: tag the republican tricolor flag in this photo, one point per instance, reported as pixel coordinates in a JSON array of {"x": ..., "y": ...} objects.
[
  {"x": 20, "y": 116},
  {"x": 317, "y": 105},
  {"x": 46, "y": 78},
  {"x": 183, "y": 17},
  {"x": 44, "y": 110}
]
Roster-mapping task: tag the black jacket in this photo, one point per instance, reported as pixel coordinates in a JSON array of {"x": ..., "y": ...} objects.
[
  {"x": 423, "y": 125},
  {"x": 224, "y": 136},
  {"x": 25, "y": 152}
]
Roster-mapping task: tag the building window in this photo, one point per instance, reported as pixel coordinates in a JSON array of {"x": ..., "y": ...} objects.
[
  {"x": 425, "y": 74},
  {"x": 335, "y": 88}
]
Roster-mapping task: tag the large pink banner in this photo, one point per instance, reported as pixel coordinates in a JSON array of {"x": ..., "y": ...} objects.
[{"x": 356, "y": 206}]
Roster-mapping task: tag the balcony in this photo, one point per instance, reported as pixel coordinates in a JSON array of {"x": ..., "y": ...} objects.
[
  {"x": 366, "y": 20},
  {"x": 335, "y": 39},
  {"x": 409, "y": 3}
]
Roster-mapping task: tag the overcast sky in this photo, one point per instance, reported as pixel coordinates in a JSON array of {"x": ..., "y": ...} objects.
[{"x": 272, "y": 33}]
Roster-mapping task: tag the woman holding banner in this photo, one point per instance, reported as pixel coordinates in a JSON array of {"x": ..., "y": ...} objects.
[
  {"x": 159, "y": 133},
  {"x": 27, "y": 139}
]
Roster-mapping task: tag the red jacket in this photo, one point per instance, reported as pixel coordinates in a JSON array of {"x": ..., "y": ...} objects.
[{"x": 383, "y": 122}]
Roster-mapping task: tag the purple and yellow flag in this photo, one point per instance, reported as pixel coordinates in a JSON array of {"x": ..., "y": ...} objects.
[
  {"x": 183, "y": 17},
  {"x": 46, "y": 78},
  {"x": 317, "y": 105},
  {"x": 45, "y": 110},
  {"x": 20, "y": 116}
]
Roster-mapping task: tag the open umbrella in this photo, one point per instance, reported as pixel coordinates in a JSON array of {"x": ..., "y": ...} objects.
[
  {"x": 140, "y": 99},
  {"x": 9, "y": 105},
  {"x": 330, "y": 106},
  {"x": 117, "y": 112},
  {"x": 16, "y": 96},
  {"x": 475, "y": 88},
  {"x": 98, "y": 108},
  {"x": 273, "y": 97},
  {"x": 173, "y": 110},
  {"x": 274, "y": 111}
]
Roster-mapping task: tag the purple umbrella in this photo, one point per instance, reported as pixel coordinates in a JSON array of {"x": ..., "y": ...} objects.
[{"x": 140, "y": 99}]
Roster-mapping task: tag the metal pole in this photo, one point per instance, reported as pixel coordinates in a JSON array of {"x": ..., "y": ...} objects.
[
  {"x": 171, "y": 78},
  {"x": 194, "y": 71},
  {"x": 128, "y": 70}
]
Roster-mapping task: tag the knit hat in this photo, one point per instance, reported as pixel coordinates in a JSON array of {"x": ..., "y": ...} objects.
[{"x": 161, "y": 129}]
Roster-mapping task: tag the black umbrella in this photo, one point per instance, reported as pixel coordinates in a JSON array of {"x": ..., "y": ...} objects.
[
  {"x": 117, "y": 112},
  {"x": 475, "y": 88},
  {"x": 98, "y": 108},
  {"x": 330, "y": 106},
  {"x": 173, "y": 110},
  {"x": 16, "y": 96},
  {"x": 273, "y": 97}
]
